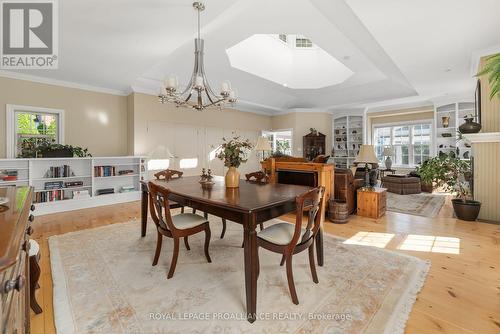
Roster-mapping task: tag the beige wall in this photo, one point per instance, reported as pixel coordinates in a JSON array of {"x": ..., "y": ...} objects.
[
  {"x": 94, "y": 120},
  {"x": 487, "y": 179},
  {"x": 490, "y": 109},
  {"x": 301, "y": 122},
  {"x": 147, "y": 110},
  {"x": 397, "y": 116}
]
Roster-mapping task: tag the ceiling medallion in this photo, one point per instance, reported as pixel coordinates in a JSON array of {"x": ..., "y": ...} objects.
[{"x": 198, "y": 94}]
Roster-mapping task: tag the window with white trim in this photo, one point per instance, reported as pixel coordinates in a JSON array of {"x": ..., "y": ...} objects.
[
  {"x": 411, "y": 142},
  {"x": 27, "y": 127}
]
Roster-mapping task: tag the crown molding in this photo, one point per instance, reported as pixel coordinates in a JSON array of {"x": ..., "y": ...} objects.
[{"x": 60, "y": 83}]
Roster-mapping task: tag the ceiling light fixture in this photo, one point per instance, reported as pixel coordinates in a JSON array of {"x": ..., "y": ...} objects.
[{"x": 198, "y": 94}]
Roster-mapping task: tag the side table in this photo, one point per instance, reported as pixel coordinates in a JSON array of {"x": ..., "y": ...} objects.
[{"x": 372, "y": 202}]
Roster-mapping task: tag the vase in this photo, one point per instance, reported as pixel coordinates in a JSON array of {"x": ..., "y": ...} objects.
[
  {"x": 445, "y": 120},
  {"x": 388, "y": 163},
  {"x": 232, "y": 178},
  {"x": 469, "y": 126}
]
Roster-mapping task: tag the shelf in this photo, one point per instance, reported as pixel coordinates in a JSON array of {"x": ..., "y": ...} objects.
[
  {"x": 13, "y": 168},
  {"x": 13, "y": 182},
  {"x": 114, "y": 165},
  {"x": 62, "y": 178},
  {"x": 115, "y": 176},
  {"x": 64, "y": 188}
]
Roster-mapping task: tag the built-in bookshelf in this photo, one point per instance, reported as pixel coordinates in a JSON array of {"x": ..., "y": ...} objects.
[
  {"x": 347, "y": 139},
  {"x": 447, "y": 137},
  {"x": 63, "y": 184}
]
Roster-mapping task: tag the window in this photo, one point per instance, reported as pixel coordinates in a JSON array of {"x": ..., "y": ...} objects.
[
  {"x": 411, "y": 143},
  {"x": 303, "y": 43},
  {"x": 281, "y": 141},
  {"x": 283, "y": 37},
  {"x": 30, "y": 126}
]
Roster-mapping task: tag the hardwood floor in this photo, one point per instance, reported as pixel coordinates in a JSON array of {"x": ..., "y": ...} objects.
[{"x": 461, "y": 293}]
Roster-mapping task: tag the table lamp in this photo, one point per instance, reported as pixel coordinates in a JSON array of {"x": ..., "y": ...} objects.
[
  {"x": 367, "y": 156},
  {"x": 388, "y": 153},
  {"x": 263, "y": 145}
]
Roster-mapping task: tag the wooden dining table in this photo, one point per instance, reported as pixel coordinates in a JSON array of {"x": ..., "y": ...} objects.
[{"x": 249, "y": 205}]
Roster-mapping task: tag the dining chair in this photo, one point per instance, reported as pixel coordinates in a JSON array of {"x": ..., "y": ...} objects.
[
  {"x": 178, "y": 226},
  {"x": 289, "y": 239}
]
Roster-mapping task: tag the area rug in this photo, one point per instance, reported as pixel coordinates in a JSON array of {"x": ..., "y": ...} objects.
[
  {"x": 104, "y": 283},
  {"x": 425, "y": 205}
]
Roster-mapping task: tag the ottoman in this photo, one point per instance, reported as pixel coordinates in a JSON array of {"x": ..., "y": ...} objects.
[{"x": 402, "y": 184}]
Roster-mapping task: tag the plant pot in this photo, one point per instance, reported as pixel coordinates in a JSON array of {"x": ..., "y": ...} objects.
[
  {"x": 427, "y": 187},
  {"x": 59, "y": 153},
  {"x": 469, "y": 126},
  {"x": 232, "y": 178},
  {"x": 466, "y": 210}
]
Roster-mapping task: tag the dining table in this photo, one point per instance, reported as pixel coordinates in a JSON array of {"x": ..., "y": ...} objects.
[{"x": 249, "y": 205}]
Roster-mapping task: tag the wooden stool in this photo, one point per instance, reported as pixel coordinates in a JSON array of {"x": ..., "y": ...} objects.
[
  {"x": 34, "y": 259},
  {"x": 338, "y": 212}
]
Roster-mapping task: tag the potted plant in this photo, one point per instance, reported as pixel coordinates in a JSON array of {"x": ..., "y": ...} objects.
[
  {"x": 46, "y": 149},
  {"x": 431, "y": 173},
  {"x": 492, "y": 69},
  {"x": 234, "y": 152},
  {"x": 457, "y": 181}
]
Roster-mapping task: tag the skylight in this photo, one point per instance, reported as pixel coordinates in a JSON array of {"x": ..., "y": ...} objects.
[{"x": 293, "y": 61}]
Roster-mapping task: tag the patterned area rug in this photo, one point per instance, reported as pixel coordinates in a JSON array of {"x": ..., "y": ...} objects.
[
  {"x": 104, "y": 283},
  {"x": 425, "y": 205}
]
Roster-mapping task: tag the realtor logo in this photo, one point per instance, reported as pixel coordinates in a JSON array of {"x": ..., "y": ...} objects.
[{"x": 29, "y": 34}]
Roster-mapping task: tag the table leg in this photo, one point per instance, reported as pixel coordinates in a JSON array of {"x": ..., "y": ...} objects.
[
  {"x": 251, "y": 263},
  {"x": 319, "y": 247},
  {"x": 144, "y": 211}
]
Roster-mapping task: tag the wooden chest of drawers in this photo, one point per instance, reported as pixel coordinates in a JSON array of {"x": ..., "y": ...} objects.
[
  {"x": 15, "y": 220},
  {"x": 372, "y": 203}
]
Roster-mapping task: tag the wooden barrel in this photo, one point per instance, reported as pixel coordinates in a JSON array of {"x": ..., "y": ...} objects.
[{"x": 338, "y": 212}]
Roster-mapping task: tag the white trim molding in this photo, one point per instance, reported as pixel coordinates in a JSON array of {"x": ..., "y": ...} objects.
[
  {"x": 486, "y": 137},
  {"x": 10, "y": 124}
]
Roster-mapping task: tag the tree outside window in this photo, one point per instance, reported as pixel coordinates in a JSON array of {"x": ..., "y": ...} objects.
[{"x": 33, "y": 129}]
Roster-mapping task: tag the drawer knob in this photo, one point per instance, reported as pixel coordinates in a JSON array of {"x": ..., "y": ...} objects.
[
  {"x": 31, "y": 218},
  {"x": 32, "y": 207},
  {"x": 29, "y": 230},
  {"x": 14, "y": 284}
]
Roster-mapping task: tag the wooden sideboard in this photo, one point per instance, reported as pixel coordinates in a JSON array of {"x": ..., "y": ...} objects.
[{"x": 15, "y": 228}]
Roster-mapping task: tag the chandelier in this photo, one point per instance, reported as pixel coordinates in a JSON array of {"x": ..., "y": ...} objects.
[{"x": 198, "y": 94}]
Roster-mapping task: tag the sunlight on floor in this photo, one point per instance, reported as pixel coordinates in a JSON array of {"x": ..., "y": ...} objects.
[
  {"x": 374, "y": 239},
  {"x": 430, "y": 243}
]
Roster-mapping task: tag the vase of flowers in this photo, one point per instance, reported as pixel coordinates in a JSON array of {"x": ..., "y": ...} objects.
[{"x": 234, "y": 152}]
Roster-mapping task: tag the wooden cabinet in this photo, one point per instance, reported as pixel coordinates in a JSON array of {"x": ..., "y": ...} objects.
[
  {"x": 15, "y": 220},
  {"x": 314, "y": 144},
  {"x": 372, "y": 203}
]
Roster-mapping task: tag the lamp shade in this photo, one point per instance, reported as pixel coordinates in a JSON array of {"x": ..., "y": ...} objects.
[
  {"x": 367, "y": 155},
  {"x": 263, "y": 145},
  {"x": 160, "y": 152},
  {"x": 388, "y": 151}
]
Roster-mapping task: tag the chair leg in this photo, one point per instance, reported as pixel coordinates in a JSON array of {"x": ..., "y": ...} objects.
[
  {"x": 159, "y": 241},
  {"x": 194, "y": 211},
  {"x": 258, "y": 263},
  {"x": 205, "y": 215},
  {"x": 207, "y": 243},
  {"x": 223, "y": 228},
  {"x": 174, "y": 258},
  {"x": 182, "y": 209},
  {"x": 289, "y": 277},
  {"x": 261, "y": 226},
  {"x": 186, "y": 243},
  {"x": 283, "y": 258},
  {"x": 311, "y": 263}
]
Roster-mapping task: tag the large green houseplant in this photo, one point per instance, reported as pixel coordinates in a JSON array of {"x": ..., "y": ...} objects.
[
  {"x": 432, "y": 172},
  {"x": 492, "y": 69}
]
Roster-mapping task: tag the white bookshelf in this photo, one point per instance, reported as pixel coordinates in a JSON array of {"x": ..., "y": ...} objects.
[
  {"x": 347, "y": 139},
  {"x": 34, "y": 172},
  {"x": 456, "y": 111}
]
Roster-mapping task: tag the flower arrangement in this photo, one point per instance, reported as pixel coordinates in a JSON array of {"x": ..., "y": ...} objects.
[{"x": 234, "y": 151}]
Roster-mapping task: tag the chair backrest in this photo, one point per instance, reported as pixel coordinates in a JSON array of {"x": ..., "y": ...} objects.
[
  {"x": 310, "y": 202},
  {"x": 259, "y": 177},
  {"x": 168, "y": 174},
  {"x": 160, "y": 207}
]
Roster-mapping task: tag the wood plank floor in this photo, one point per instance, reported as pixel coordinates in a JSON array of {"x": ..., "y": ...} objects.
[{"x": 461, "y": 294}]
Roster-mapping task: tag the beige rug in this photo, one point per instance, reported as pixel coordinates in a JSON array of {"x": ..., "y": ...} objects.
[
  {"x": 425, "y": 205},
  {"x": 104, "y": 283}
]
